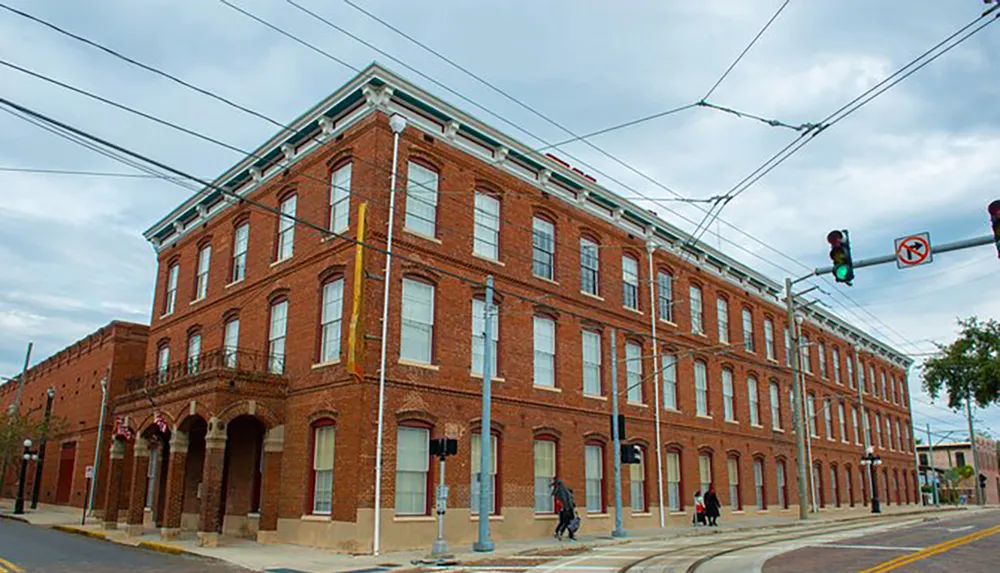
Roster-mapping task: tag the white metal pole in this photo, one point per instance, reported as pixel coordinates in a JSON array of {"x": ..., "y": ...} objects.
[
  {"x": 797, "y": 403},
  {"x": 97, "y": 448},
  {"x": 397, "y": 123},
  {"x": 616, "y": 437},
  {"x": 972, "y": 444},
  {"x": 653, "y": 315},
  {"x": 483, "y": 542}
]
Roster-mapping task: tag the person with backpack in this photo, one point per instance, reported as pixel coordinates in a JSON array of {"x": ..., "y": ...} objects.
[
  {"x": 565, "y": 508},
  {"x": 699, "y": 509},
  {"x": 712, "y": 506}
]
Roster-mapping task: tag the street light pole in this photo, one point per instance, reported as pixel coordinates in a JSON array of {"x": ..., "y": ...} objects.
[
  {"x": 872, "y": 461},
  {"x": 25, "y": 457},
  {"x": 616, "y": 442},
  {"x": 972, "y": 444},
  {"x": 37, "y": 486},
  {"x": 483, "y": 542}
]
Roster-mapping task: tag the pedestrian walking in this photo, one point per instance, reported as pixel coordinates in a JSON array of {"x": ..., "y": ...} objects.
[
  {"x": 565, "y": 508},
  {"x": 699, "y": 509},
  {"x": 712, "y": 506}
]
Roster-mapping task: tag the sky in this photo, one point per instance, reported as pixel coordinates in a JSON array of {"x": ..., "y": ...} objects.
[{"x": 921, "y": 157}]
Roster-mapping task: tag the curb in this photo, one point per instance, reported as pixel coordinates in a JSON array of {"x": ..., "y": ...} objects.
[
  {"x": 13, "y": 517},
  {"x": 164, "y": 548},
  {"x": 79, "y": 531}
]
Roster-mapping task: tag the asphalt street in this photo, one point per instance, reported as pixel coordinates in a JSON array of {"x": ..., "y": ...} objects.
[{"x": 34, "y": 549}]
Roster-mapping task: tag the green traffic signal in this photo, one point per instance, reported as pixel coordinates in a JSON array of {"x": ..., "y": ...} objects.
[
  {"x": 841, "y": 272},
  {"x": 840, "y": 255}
]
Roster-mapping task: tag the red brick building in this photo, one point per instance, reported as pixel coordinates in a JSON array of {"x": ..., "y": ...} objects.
[
  {"x": 112, "y": 353},
  {"x": 265, "y": 341}
]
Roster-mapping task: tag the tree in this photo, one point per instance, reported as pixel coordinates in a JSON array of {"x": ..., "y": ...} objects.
[
  {"x": 970, "y": 363},
  {"x": 14, "y": 428}
]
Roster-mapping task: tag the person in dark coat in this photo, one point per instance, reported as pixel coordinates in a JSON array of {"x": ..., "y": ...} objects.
[
  {"x": 712, "y": 506},
  {"x": 564, "y": 507}
]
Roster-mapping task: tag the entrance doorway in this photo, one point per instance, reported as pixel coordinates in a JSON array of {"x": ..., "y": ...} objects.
[{"x": 67, "y": 461}]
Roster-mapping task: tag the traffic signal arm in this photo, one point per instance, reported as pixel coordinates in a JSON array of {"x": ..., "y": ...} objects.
[{"x": 936, "y": 249}]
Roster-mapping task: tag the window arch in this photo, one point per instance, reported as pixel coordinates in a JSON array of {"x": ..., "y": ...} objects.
[
  {"x": 543, "y": 246},
  {"x": 331, "y": 313},
  {"x": 702, "y": 405},
  {"x": 630, "y": 281},
  {"x": 413, "y": 467},
  {"x": 545, "y": 448},
  {"x": 340, "y": 195},
  {"x": 639, "y": 494},
  {"x": 733, "y": 475},
  {"x": 760, "y": 488},
  {"x": 322, "y": 446},
  {"x": 594, "y": 476},
  {"x": 421, "y": 212},
  {"x": 675, "y": 479}
]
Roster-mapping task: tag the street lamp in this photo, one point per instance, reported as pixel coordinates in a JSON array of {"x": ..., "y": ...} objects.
[
  {"x": 27, "y": 456},
  {"x": 37, "y": 485},
  {"x": 872, "y": 460}
]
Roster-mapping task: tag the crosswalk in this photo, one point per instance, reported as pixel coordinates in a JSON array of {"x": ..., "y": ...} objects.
[{"x": 9, "y": 567}]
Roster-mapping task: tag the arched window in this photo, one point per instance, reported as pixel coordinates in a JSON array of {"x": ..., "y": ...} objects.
[
  {"x": 594, "y": 474},
  {"x": 340, "y": 198},
  {"x": 479, "y": 337},
  {"x": 201, "y": 275},
  {"x": 545, "y": 350},
  {"x": 775, "y": 394},
  {"x": 733, "y": 473},
  {"x": 170, "y": 300},
  {"x": 545, "y": 448},
  {"x": 701, "y": 388},
  {"x": 722, "y": 318},
  {"x": 163, "y": 359},
  {"x": 675, "y": 490},
  {"x": 769, "y": 339},
  {"x": 417, "y": 321},
  {"x": 543, "y": 248},
  {"x": 637, "y": 482},
  {"x": 665, "y": 295},
  {"x": 779, "y": 471},
  {"x": 728, "y": 400},
  {"x": 591, "y": 363},
  {"x": 590, "y": 266},
  {"x": 476, "y": 463},
  {"x": 331, "y": 318},
  {"x": 231, "y": 340},
  {"x": 758, "y": 483},
  {"x": 193, "y": 350},
  {"x": 753, "y": 400},
  {"x": 321, "y": 477},
  {"x": 413, "y": 475},
  {"x": 748, "y": 342},
  {"x": 630, "y": 282},
  {"x": 834, "y": 485},
  {"x": 421, "y": 199},
  {"x": 704, "y": 470},
  {"x": 241, "y": 241},
  {"x": 486, "y": 225},
  {"x": 285, "y": 243},
  {"x": 694, "y": 298},
  {"x": 633, "y": 372},
  {"x": 818, "y": 487},
  {"x": 849, "y": 485},
  {"x": 277, "y": 333}
]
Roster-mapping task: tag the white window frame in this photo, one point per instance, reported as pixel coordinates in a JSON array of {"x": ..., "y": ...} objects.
[
  {"x": 193, "y": 352},
  {"x": 758, "y": 483},
  {"x": 842, "y": 419},
  {"x": 544, "y": 472},
  {"x": 788, "y": 347},
  {"x": 475, "y": 451},
  {"x": 811, "y": 414},
  {"x": 412, "y": 473},
  {"x": 668, "y": 364},
  {"x": 828, "y": 417},
  {"x": 701, "y": 389},
  {"x": 543, "y": 248},
  {"x": 665, "y": 295},
  {"x": 201, "y": 279},
  {"x": 591, "y": 362},
  {"x": 590, "y": 267},
  {"x": 697, "y": 311},
  {"x": 340, "y": 198},
  {"x": 241, "y": 242},
  {"x": 331, "y": 320},
  {"x": 544, "y": 328},
  {"x": 806, "y": 354},
  {"x": 276, "y": 337},
  {"x": 733, "y": 474},
  {"x": 748, "y": 342},
  {"x": 173, "y": 275},
  {"x": 854, "y": 423},
  {"x": 630, "y": 282},
  {"x": 421, "y": 199},
  {"x": 231, "y": 341},
  {"x": 822, "y": 359},
  {"x": 594, "y": 478},
  {"x": 286, "y": 228},
  {"x": 675, "y": 497},
  {"x": 416, "y": 326},
  {"x": 774, "y": 391},
  {"x": 633, "y": 372},
  {"x": 486, "y": 226},
  {"x": 637, "y": 484},
  {"x": 835, "y": 355},
  {"x": 753, "y": 400},
  {"x": 769, "y": 339},
  {"x": 728, "y": 400},
  {"x": 322, "y": 478},
  {"x": 704, "y": 471},
  {"x": 722, "y": 315},
  {"x": 479, "y": 337}
]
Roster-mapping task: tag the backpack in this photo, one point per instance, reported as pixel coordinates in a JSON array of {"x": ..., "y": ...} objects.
[{"x": 574, "y": 524}]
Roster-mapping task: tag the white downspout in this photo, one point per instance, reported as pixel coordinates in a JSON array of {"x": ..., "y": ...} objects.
[
  {"x": 397, "y": 123},
  {"x": 650, "y": 248}
]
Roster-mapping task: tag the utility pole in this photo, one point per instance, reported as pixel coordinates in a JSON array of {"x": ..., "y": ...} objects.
[
  {"x": 37, "y": 486},
  {"x": 807, "y": 424},
  {"x": 930, "y": 463},
  {"x": 858, "y": 373},
  {"x": 800, "y": 437},
  {"x": 15, "y": 407},
  {"x": 484, "y": 543},
  {"x": 616, "y": 439},
  {"x": 972, "y": 443}
]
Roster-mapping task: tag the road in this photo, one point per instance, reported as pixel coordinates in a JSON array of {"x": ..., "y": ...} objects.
[{"x": 34, "y": 549}]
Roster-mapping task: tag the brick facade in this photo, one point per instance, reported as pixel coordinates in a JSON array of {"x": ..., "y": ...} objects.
[
  {"x": 116, "y": 351},
  {"x": 274, "y": 455}
]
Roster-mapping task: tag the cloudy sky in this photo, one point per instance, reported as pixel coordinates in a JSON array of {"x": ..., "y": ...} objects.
[{"x": 921, "y": 157}]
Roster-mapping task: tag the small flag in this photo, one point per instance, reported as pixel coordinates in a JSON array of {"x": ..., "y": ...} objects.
[{"x": 160, "y": 422}]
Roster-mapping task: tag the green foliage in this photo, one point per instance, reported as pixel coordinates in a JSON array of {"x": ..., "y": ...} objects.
[
  {"x": 971, "y": 362},
  {"x": 14, "y": 428}
]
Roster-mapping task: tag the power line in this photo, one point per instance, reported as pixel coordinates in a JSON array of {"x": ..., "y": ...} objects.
[{"x": 77, "y": 172}]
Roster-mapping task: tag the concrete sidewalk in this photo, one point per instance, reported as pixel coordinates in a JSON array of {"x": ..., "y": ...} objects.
[{"x": 296, "y": 559}]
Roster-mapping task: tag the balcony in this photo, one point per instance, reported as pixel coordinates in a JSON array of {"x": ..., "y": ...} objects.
[{"x": 223, "y": 367}]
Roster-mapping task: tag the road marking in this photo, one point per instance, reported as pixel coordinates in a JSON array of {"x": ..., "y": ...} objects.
[
  {"x": 887, "y": 548},
  {"x": 8, "y": 566},
  {"x": 932, "y": 550},
  {"x": 957, "y": 529}
]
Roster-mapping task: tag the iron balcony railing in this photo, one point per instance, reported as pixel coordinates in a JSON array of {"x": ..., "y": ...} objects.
[{"x": 221, "y": 360}]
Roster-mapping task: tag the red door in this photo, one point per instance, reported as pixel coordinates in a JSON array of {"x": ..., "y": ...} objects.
[{"x": 67, "y": 459}]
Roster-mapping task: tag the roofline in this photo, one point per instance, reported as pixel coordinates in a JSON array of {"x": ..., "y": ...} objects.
[{"x": 371, "y": 84}]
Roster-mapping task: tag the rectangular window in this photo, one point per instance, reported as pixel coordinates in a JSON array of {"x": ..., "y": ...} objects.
[
  {"x": 241, "y": 239},
  {"x": 769, "y": 339},
  {"x": 788, "y": 348},
  {"x": 669, "y": 373},
  {"x": 888, "y": 433},
  {"x": 885, "y": 393},
  {"x": 591, "y": 363},
  {"x": 827, "y": 418},
  {"x": 748, "y": 344},
  {"x": 421, "y": 200},
  {"x": 878, "y": 430},
  {"x": 479, "y": 337},
  {"x": 758, "y": 483},
  {"x": 782, "y": 489},
  {"x": 340, "y": 199},
  {"x": 201, "y": 282},
  {"x": 545, "y": 351},
  {"x": 630, "y": 282},
  {"x": 842, "y": 419},
  {"x": 733, "y": 469},
  {"x": 811, "y": 412},
  {"x": 476, "y": 462},
  {"x": 412, "y": 470},
  {"x": 871, "y": 379},
  {"x": 594, "y": 468},
  {"x": 590, "y": 267},
  {"x": 665, "y": 295},
  {"x": 705, "y": 471},
  {"x": 833, "y": 485},
  {"x": 674, "y": 481},
  {"x": 849, "y": 366},
  {"x": 806, "y": 354},
  {"x": 899, "y": 438},
  {"x": 543, "y": 248},
  {"x": 959, "y": 459},
  {"x": 486, "y": 234},
  {"x": 836, "y": 366},
  {"x": 286, "y": 229},
  {"x": 417, "y": 322},
  {"x": 231, "y": 341},
  {"x": 701, "y": 388},
  {"x": 775, "y": 406},
  {"x": 822, "y": 360},
  {"x": 694, "y": 294},
  {"x": 868, "y": 427},
  {"x": 728, "y": 408},
  {"x": 194, "y": 353},
  {"x": 754, "y": 401},
  {"x": 154, "y": 455},
  {"x": 323, "y": 446},
  {"x": 276, "y": 337},
  {"x": 545, "y": 471},
  {"x": 861, "y": 378},
  {"x": 633, "y": 369},
  {"x": 892, "y": 388},
  {"x": 722, "y": 311},
  {"x": 330, "y": 320},
  {"x": 637, "y": 483},
  {"x": 171, "y": 300}
]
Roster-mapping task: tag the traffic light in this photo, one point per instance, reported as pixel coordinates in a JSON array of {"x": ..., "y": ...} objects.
[
  {"x": 982, "y": 481},
  {"x": 994, "y": 210},
  {"x": 840, "y": 254},
  {"x": 631, "y": 454}
]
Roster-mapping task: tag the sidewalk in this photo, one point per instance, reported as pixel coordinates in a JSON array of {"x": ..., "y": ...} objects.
[{"x": 299, "y": 559}]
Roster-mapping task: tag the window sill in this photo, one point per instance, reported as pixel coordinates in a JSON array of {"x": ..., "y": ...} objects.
[
  {"x": 602, "y": 515},
  {"x": 703, "y": 417},
  {"x": 405, "y": 362},
  {"x": 548, "y": 389},
  {"x": 681, "y": 512},
  {"x": 166, "y": 315},
  {"x": 637, "y": 404},
  {"x": 772, "y": 360},
  {"x": 196, "y": 301},
  {"x": 421, "y": 235},
  {"x": 547, "y": 516},
  {"x": 735, "y": 422},
  {"x": 779, "y": 430},
  {"x": 543, "y": 279},
  {"x": 672, "y": 410},
  {"x": 635, "y": 310},
  {"x": 668, "y": 322},
  {"x": 642, "y": 514},
  {"x": 479, "y": 376},
  {"x": 234, "y": 283},
  {"x": 493, "y": 517},
  {"x": 757, "y": 426},
  {"x": 489, "y": 259},
  {"x": 279, "y": 261},
  {"x": 334, "y": 234},
  {"x": 592, "y": 295},
  {"x": 595, "y": 397},
  {"x": 319, "y": 365},
  {"x": 414, "y": 518},
  {"x": 317, "y": 517},
  {"x": 738, "y": 512}
]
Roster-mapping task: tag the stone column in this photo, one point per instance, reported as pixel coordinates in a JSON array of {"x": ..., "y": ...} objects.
[
  {"x": 137, "y": 500},
  {"x": 270, "y": 487},
  {"x": 174, "y": 495},
  {"x": 210, "y": 520},
  {"x": 112, "y": 500}
]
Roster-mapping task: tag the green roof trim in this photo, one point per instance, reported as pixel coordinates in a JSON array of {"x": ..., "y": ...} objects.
[{"x": 423, "y": 107}]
